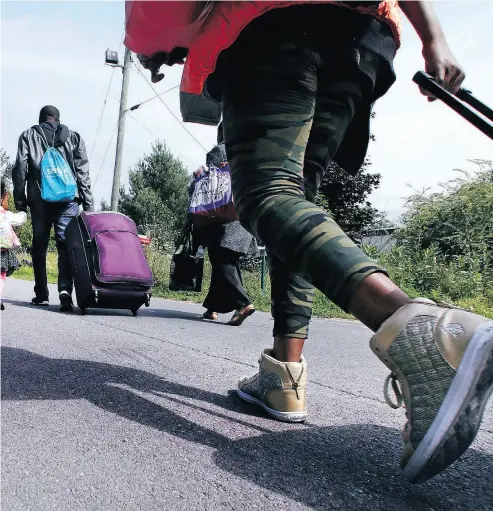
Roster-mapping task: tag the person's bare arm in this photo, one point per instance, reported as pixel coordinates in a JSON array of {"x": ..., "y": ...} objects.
[{"x": 439, "y": 60}]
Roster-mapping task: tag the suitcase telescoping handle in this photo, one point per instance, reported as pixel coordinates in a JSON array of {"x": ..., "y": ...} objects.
[{"x": 458, "y": 103}]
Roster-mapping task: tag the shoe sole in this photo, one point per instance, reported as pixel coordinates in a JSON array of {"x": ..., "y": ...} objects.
[
  {"x": 280, "y": 416},
  {"x": 242, "y": 318},
  {"x": 458, "y": 419},
  {"x": 42, "y": 304}
]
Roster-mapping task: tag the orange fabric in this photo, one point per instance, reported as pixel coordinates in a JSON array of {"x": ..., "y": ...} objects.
[{"x": 228, "y": 19}]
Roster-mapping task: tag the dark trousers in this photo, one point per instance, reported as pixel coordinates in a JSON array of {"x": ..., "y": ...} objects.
[
  {"x": 226, "y": 292},
  {"x": 46, "y": 215}
]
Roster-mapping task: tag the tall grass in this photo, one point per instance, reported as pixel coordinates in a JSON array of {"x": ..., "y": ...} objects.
[{"x": 425, "y": 274}]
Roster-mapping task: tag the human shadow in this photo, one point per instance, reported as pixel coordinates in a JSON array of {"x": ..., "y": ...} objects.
[
  {"x": 143, "y": 311},
  {"x": 346, "y": 467}
]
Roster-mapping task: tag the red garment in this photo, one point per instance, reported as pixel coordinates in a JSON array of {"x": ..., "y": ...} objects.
[{"x": 207, "y": 28}]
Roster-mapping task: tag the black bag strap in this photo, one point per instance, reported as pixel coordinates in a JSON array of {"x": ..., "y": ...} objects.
[{"x": 458, "y": 103}]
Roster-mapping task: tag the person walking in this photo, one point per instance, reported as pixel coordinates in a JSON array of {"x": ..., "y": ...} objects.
[
  {"x": 296, "y": 82},
  {"x": 9, "y": 240},
  {"x": 26, "y": 177},
  {"x": 226, "y": 243}
]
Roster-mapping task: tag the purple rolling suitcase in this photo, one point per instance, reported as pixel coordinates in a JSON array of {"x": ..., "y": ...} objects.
[{"x": 109, "y": 266}]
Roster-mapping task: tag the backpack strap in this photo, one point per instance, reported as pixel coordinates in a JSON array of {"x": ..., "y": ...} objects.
[{"x": 41, "y": 133}]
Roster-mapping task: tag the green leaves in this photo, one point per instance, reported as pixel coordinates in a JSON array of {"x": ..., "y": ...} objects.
[
  {"x": 346, "y": 198},
  {"x": 157, "y": 199}
]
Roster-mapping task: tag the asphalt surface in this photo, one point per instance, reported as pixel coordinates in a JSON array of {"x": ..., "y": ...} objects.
[{"x": 112, "y": 412}]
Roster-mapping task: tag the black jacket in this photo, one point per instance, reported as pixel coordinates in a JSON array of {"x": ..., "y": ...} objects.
[{"x": 26, "y": 175}]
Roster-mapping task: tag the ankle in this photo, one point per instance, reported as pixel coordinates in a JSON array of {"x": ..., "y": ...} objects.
[
  {"x": 287, "y": 349},
  {"x": 376, "y": 299}
]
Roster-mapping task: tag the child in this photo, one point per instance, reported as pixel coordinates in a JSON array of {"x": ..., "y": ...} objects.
[{"x": 8, "y": 239}]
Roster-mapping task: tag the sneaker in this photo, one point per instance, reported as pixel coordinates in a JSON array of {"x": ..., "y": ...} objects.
[
  {"x": 40, "y": 301},
  {"x": 441, "y": 362},
  {"x": 279, "y": 388},
  {"x": 240, "y": 315},
  {"x": 66, "y": 304}
]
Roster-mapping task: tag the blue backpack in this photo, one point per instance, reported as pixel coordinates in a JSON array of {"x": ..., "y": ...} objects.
[{"x": 57, "y": 180}]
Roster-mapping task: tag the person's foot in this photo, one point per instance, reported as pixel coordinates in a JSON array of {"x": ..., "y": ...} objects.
[
  {"x": 40, "y": 301},
  {"x": 441, "y": 360},
  {"x": 208, "y": 314},
  {"x": 279, "y": 388},
  {"x": 240, "y": 315},
  {"x": 66, "y": 304}
]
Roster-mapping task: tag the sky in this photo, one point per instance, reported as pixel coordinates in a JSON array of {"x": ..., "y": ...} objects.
[{"x": 53, "y": 53}]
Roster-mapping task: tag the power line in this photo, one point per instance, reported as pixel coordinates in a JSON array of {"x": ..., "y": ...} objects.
[
  {"x": 152, "y": 134},
  {"x": 122, "y": 37},
  {"x": 101, "y": 116},
  {"x": 142, "y": 126},
  {"x": 169, "y": 109},
  {"x": 104, "y": 158},
  {"x": 138, "y": 105}
]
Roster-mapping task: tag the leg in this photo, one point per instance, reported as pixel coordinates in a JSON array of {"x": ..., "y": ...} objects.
[
  {"x": 441, "y": 359},
  {"x": 226, "y": 292},
  {"x": 291, "y": 306},
  {"x": 3, "y": 277},
  {"x": 292, "y": 296},
  {"x": 64, "y": 213},
  {"x": 268, "y": 115},
  {"x": 245, "y": 308},
  {"x": 41, "y": 222}
]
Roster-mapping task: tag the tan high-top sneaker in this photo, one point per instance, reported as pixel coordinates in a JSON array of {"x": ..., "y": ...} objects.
[
  {"x": 279, "y": 388},
  {"x": 441, "y": 360}
]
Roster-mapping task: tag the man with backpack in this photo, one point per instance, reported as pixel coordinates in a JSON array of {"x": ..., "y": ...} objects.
[
  {"x": 51, "y": 176},
  {"x": 296, "y": 82}
]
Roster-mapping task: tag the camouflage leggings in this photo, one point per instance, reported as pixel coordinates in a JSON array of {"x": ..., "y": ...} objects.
[{"x": 285, "y": 114}]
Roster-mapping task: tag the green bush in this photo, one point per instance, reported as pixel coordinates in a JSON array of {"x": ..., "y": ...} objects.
[
  {"x": 456, "y": 221},
  {"x": 426, "y": 276}
]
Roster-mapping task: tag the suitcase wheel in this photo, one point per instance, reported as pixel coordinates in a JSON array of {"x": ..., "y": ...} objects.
[
  {"x": 134, "y": 312},
  {"x": 147, "y": 300}
]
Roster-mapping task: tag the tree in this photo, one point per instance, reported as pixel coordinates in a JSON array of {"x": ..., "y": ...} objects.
[
  {"x": 345, "y": 197},
  {"x": 5, "y": 168},
  {"x": 157, "y": 199},
  {"x": 105, "y": 206}
]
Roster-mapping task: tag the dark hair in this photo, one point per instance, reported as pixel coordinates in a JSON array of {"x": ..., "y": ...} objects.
[
  {"x": 49, "y": 111},
  {"x": 4, "y": 189},
  {"x": 216, "y": 156}
]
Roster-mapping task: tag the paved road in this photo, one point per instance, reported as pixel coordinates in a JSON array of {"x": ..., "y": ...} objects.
[{"x": 111, "y": 412}]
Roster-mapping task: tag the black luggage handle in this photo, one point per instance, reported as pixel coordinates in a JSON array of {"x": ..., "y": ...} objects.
[{"x": 458, "y": 103}]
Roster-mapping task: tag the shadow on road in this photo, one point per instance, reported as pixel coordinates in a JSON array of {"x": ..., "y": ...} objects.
[
  {"x": 346, "y": 467},
  {"x": 143, "y": 312}
]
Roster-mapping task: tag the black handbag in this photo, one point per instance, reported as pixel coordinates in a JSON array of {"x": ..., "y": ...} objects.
[{"x": 187, "y": 264}]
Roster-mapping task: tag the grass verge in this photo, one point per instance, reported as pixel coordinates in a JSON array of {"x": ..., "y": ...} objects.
[{"x": 322, "y": 307}]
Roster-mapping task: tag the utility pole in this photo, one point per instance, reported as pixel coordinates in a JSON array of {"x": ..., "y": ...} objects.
[{"x": 115, "y": 191}]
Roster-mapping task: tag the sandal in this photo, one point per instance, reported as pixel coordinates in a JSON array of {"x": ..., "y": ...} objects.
[
  {"x": 210, "y": 315},
  {"x": 240, "y": 315}
]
